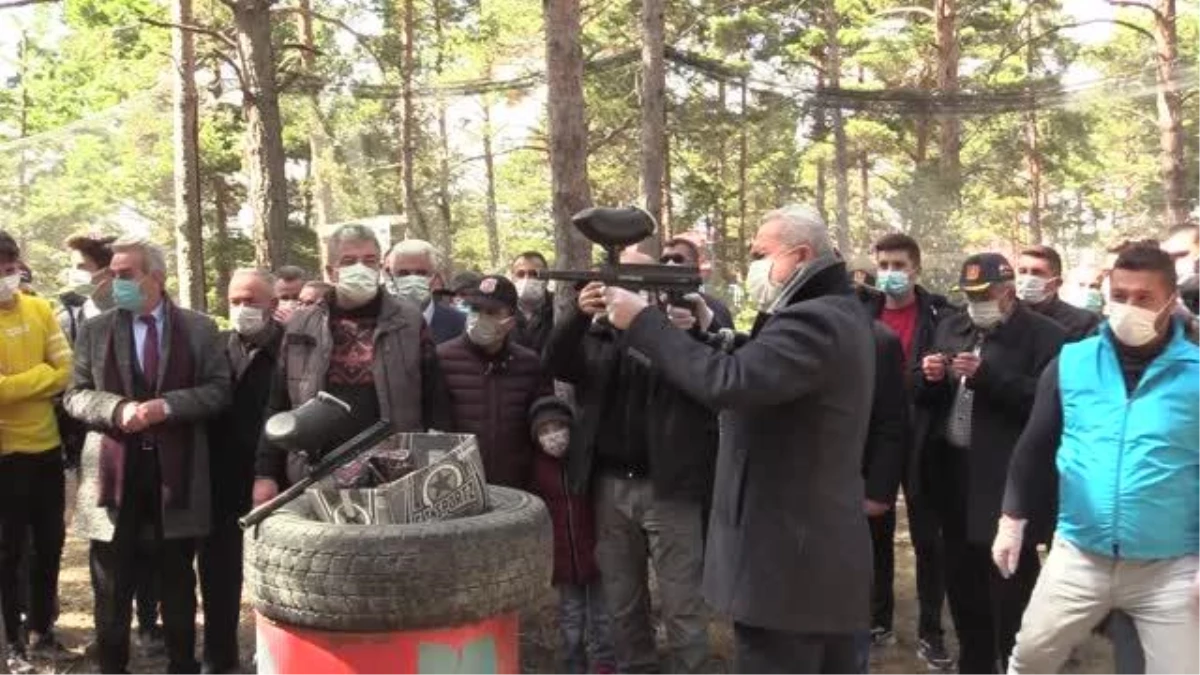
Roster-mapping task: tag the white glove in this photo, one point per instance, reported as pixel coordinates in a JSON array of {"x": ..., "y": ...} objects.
[
  {"x": 704, "y": 315},
  {"x": 681, "y": 317},
  {"x": 1006, "y": 549}
]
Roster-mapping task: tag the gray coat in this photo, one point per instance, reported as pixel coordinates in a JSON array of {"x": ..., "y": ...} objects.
[
  {"x": 87, "y": 401},
  {"x": 788, "y": 546}
]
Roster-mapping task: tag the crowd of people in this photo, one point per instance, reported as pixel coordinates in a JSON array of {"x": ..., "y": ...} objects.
[{"x": 756, "y": 473}]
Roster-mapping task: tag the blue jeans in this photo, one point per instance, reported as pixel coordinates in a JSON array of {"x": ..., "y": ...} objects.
[{"x": 586, "y": 632}]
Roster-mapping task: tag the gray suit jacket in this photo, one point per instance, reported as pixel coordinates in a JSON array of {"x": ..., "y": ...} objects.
[
  {"x": 87, "y": 401},
  {"x": 788, "y": 547}
]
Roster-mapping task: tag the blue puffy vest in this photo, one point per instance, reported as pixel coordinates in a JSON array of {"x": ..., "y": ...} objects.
[{"x": 1129, "y": 465}]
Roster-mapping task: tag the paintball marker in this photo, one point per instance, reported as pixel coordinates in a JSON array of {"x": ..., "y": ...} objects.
[
  {"x": 311, "y": 426},
  {"x": 614, "y": 229}
]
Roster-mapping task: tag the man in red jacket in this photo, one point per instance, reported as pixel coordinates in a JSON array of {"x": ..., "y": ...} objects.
[{"x": 582, "y": 610}]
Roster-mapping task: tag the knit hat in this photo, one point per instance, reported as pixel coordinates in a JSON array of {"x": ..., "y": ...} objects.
[{"x": 550, "y": 409}]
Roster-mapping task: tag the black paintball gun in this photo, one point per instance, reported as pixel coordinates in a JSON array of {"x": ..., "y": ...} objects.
[
  {"x": 313, "y": 425},
  {"x": 614, "y": 229}
]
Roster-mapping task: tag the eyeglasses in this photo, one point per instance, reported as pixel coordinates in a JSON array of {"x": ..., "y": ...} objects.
[{"x": 676, "y": 258}]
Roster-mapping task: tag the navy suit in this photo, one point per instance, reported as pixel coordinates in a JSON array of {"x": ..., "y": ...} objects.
[{"x": 447, "y": 323}]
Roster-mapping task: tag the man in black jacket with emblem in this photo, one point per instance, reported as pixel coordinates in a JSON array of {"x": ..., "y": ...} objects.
[
  {"x": 788, "y": 551},
  {"x": 978, "y": 387}
]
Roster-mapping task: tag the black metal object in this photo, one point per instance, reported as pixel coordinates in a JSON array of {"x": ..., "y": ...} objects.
[
  {"x": 332, "y": 461},
  {"x": 614, "y": 229}
]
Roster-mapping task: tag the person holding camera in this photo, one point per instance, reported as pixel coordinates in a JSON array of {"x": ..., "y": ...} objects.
[{"x": 629, "y": 414}]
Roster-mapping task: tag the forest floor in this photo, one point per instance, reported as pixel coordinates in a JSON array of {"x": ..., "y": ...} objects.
[{"x": 539, "y": 636}]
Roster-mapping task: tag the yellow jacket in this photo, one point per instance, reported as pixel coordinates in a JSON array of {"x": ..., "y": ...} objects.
[{"x": 35, "y": 364}]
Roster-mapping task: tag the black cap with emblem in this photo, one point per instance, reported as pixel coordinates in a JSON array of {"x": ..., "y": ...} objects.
[{"x": 493, "y": 292}]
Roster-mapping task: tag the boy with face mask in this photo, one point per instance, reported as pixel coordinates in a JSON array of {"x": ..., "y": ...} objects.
[
  {"x": 493, "y": 382},
  {"x": 1114, "y": 427},
  {"x": 976, "y": 388},
  {"x": 583, "y": 615}
]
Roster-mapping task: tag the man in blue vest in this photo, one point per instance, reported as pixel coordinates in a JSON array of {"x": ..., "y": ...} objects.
[{"x": 1117, "y": 414}]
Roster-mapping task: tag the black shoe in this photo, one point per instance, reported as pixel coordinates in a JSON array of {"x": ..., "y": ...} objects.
[
  {"x": 149, "y": 642},
  {"x": 882, "y": 637},
  {"x": 17, "y": 661},
  {"x": 933, "y": 652}
]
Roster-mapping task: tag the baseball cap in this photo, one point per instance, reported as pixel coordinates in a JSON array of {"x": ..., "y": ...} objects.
[
  {"x": 982, "y": 270},
  {"x": 493, "y": 291}
]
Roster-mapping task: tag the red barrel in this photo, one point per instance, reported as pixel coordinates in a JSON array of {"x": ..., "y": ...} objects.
[{"x": 489, "y": 646}]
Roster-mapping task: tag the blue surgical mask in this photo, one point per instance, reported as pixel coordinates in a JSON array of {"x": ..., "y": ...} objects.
[
  {"x": 127, "y": 294},
  {"x": 893, "y": 282}
]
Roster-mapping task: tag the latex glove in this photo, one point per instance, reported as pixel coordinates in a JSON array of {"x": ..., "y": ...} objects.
[
  {"x": 1006, "y": 549},
  {"x": 623, "y": 306},
  {"x": 704, "y": 315},
  {"x": 933, "y": 367},
  {"x": 130, "y": 419}
]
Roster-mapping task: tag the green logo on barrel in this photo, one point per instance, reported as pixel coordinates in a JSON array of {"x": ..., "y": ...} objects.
[{"x": 477, "y": 656}]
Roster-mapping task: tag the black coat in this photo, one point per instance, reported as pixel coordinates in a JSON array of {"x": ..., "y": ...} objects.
[
  {"x": 447, "y": 323},
  {"x": 1005, "y": 385},
  {"x": 890, "y": 433},
  {"x": 234, "y": 435},
  {"x": 788, "y": 546},
  {"x": 680, "y": 435},
  {"x": 1076, "y": 322},
  {"x": 532, "y": 332}
]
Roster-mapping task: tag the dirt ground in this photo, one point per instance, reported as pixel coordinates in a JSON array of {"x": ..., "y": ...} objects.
[{"x": 539, "y": 637}]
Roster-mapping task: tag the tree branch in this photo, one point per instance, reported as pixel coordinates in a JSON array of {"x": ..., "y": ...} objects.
[
  {"x": 1013, "y": 51},
  {"x": 1140, "y": 5},
  {"x": 192, "y": 28},
  {"x": 13, "y": 4},
  {"x": 363, "y": 40}
]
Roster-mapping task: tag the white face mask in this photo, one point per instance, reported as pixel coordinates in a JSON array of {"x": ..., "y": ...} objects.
[
  {"x": 1133, "y": 326},
  {"x": 762, "y": 291},
  {"x": 412, "y": 286},
  {"x": 531, "y": 291},
  {"x": 9, "y": 286},
  {"x": 1032, "y": 289},
  {"x": 247, "y": 320},
  {"x": 554, "y": 441},
  {"x": 985, "y": 313},
  {"x": 484, "y": 330},
  {"x": 357, "y": 284}
]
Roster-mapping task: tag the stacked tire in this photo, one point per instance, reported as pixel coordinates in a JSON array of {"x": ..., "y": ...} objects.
[{"x": 384, "y": 578}]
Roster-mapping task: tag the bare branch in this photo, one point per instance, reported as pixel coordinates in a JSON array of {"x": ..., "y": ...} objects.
[
  {"x": 12, "y": 4},
  {"x": 363, "y": 40},
  {"x": 192, "y": 28},
  {"x": 610, "y": 136},
  {"x": 1140, "y": 5},
  {"x": 237, "y": 69},
  {"x": 299, "y": 47},
  {"x": 1014, "y": 50}
]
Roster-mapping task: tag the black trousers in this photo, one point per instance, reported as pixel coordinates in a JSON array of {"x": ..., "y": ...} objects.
[
  {"x": 221, "y": 589},
  {"x": 986, "y": 607},
  {"x": 883, "y": 597},
  {"x": 925, "y": 533},
  {"x": 763, "y": 650},
  {"x": 32, "y": 488}
]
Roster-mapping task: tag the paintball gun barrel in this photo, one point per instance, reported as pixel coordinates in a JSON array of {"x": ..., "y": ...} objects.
[{"x": 614, "y": 229}]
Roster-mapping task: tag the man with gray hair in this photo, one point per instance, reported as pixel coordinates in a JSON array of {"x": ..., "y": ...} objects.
[
  {"x": 367, "y": 347},
  {"x": 413, "y": 272},
  {"x": 976, "y": 388},
  {"x": 147, "y": 378},
  {"x": 789, "y": 555},
  {"x": 251, "y": 352}
]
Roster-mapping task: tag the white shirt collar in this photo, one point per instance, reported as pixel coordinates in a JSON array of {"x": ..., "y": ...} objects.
[{"x": 428, "y": 313}]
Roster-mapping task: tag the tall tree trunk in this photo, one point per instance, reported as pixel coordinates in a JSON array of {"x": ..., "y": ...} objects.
[
  {"x": 493, "y": 230},
  {"x": 820, "y": 132},
  {"x": 189, "y": 227},
  {"x": 220, "y": 228},
  {"x": 1033, "y": 153},
  {"x": 446, "y": 232},
  {"x": 1170, "y": 115},
  {"x": 23, "y": 132},
  {"x": 318, "y": 138},
  {"x": 264, "y": 132},
  {"x": 567, "y": 127},
  {"x": 864, "y": 176},
  {"x": 719, "y": 233},
  {"x": 668, "y": 220},
  {"x": 743, "y": 161},
  {"x": 653, "y": 93},
  {"x": 946, "y": 12},
  {"x": 841, "y": 162},
  {"x": 408, "y": 151}
]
